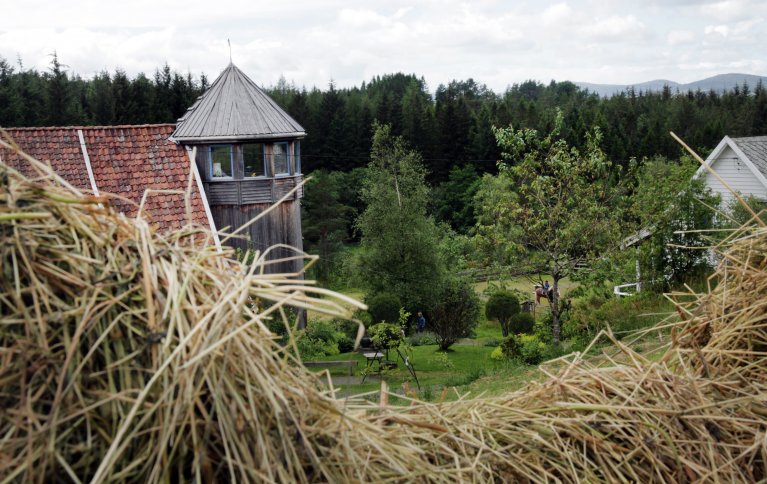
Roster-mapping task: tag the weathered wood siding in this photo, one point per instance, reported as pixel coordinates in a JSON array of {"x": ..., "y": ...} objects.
[
  {"x": 251, "y": 190},
  {"x": 281, "y": 226},
  {"x": 729, "y": 166}
]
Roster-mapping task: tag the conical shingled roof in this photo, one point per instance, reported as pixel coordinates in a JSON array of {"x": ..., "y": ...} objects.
[{"x": 235, "y": 109}]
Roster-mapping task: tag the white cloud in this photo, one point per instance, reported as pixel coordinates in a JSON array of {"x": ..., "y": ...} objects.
[
  {"x": 678, "y": 37},
  {"x": 722, "y": 30}
]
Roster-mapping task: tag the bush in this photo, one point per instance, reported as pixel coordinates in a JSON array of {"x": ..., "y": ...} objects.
[
  {"x": 497, "y": 354},
  {"x": 492, "y": 342},
  {"x": 522, "y": 323},
  {"x": 310, "y": 348},
  {"x": 383, "y": 306},
  {"x": 345, "y": 343},
  {"x": 526, "y": 348},
  {"x": 423, "y": 339},
  {"x": 385, "y": 336},
  {"x": 501, "y": 306},
  {"x": 456, "y": 313},
  {"x": 320, "y": 338},
  {"x": 347, "y": 328},
  {"x": 594, "y": 313}
]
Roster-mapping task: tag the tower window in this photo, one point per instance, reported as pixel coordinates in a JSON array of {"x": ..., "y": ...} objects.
[
  {"x": 281, "y": 162},
  {"x": 221, "y": 161},
  {"x": 253, "y": 158}
]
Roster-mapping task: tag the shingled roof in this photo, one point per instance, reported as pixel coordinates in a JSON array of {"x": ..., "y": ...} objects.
[
  {"x": 755, "y": 148},
  {"x": 125, "y": 161},
  {"x": 234, "y": 109}
]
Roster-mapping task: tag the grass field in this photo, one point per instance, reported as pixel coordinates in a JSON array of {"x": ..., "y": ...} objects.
[{"x": 466, "y": 370}]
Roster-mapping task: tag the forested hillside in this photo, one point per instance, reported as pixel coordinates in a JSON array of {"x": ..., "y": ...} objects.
[{"x": 450, "y": 125}]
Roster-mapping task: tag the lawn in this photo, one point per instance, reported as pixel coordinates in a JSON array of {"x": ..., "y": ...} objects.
[{"x": 464, "y": 368}]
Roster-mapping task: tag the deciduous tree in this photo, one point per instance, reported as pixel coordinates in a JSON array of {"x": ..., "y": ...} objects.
[{"x": 551, "y": 208}]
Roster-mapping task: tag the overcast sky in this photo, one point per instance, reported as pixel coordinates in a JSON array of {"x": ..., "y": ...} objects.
[{"x": 310, "y": 42}]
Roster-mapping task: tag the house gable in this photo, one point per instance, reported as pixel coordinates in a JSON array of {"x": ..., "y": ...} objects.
[{"x": 736, "y": 169}]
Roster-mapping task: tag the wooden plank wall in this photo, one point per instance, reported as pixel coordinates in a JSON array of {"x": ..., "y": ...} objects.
[{"x": 280, "y": 226}]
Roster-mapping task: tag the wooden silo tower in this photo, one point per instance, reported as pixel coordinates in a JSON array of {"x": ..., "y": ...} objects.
[{"x": 248, "y": 156}]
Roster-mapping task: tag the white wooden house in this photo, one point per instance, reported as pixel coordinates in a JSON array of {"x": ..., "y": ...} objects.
[{"x": 742, "y": 164}]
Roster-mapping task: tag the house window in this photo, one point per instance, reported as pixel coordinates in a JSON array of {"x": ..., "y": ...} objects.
[
  {"x": 297, "y": 145},
  {"x": 253, "y": 157},
  {"x": 281, "y": 161},
  {"x": 220, "y": 161}
]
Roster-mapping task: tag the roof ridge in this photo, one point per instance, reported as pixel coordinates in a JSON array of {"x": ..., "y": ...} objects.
[{"x": 114, "y": 126}]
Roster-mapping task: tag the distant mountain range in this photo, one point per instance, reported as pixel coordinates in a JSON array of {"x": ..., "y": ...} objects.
[{"x": 722, "y": 82}]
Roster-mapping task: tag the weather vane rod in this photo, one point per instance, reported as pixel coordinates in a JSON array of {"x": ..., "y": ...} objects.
[{"x": 230, "y": 50}]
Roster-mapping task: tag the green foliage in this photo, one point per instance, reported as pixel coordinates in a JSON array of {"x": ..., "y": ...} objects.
[
  {"x": 497, "y": 354},
  {"x": 527, "y": 348},
  {"x": 399, "y": 241},
  {"x": 675, "y": 209},
  {"x": 501, "y": 307},
  {"x": 451, "y": 126},
  {"x": 456, "y": 313},
  {"x": 453, "y": 200},
  {"x": 441, "y": 359},
  {"x": 552, "y": 207},
  {"x": 738, "y": 215},
  {"x": 346, "y": 327},
  {"x": 521, "y": 323},
  {"x": 422, "y": 339},
  {"x": 386, "y": 336},
  {"x": 595, "y": 312},
  {"x": 325, "y": 221},
  {"x": 384, "y": 306},
  {"x": 345, "y": 343}
]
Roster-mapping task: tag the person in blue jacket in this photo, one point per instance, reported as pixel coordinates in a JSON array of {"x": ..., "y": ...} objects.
[{"x": 420, "y": 322}]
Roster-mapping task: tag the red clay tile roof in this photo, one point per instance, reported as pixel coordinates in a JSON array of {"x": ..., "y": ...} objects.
[
  {"x": 59, "y": 147},
  {"x": 126, "y": 161}
]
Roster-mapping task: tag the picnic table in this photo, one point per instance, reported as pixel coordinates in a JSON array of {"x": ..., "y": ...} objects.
[{"x": 372, "y": 356}]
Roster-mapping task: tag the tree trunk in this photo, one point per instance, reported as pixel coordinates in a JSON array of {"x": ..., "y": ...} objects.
[
  {"x": 554, "y": 305},
  {"x": 504, "y": 328}
]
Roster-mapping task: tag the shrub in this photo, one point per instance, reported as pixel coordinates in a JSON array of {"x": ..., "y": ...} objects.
[
  {"x": 521, "y": 323},
  {"x": 526, "y": 348},
  {"x": 497, "y": 354},
  {"x": 423, "y": 339},
  {"x": 456, "y": 313},
  {"x": 441, "y": 359},
  {"x": 347, "y": 327},
  {"x": 594, "y": 313},
  {"x": 383, "y": 306},
  {"x": 320, "y": 338},
  {"x": 320, "y": 330},
  {"x": 501, "y": 306},
  {"x": 310, "y": 348},
  {"x": 345, "y": 343},
  {"x": 385, "y": 336},
  {"x": 492, "y": 342}
]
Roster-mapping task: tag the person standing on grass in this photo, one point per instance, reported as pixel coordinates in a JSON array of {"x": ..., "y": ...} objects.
[{"x": 420, "y": 322}]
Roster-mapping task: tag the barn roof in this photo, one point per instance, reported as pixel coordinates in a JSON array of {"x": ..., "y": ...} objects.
[
  {"x": 124, "y": 160},
  {"x": 233, "y": 109}
]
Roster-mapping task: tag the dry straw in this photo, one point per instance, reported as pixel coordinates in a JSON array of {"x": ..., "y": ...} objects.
[{"x": 130, "y": 355}]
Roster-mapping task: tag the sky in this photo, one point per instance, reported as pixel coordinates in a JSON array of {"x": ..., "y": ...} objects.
[{"x": 311, "y": 42}]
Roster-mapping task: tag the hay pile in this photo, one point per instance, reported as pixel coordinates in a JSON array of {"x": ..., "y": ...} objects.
[{"x": 126, "y": 355}]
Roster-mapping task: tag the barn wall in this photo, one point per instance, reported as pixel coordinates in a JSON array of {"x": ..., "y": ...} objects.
[
  {"x": 280, "y": 226},
  {"x": 739, "y": 176}
]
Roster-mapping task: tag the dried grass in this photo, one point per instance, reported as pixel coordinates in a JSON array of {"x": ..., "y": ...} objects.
[{"x": 128, "y": 355}]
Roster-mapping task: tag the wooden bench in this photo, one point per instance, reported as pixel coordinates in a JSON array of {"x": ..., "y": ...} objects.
[{"x": 329, "y": 364}]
